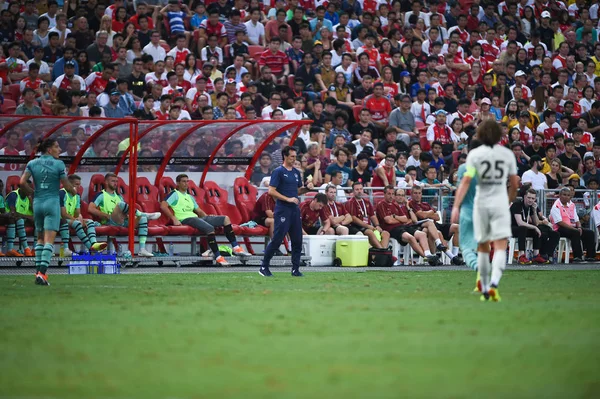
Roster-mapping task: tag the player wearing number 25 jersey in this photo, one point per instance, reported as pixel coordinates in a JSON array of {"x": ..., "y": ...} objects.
[
  {"x": 492, "y": 165},
  {"x": 491, "y": 215}
]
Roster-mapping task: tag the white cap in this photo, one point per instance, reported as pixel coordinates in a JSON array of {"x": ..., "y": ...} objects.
[
  {"x": 486, "y": 101},
  {"x": 546, "y": 14},
  {"x": 520, "y": 73}
]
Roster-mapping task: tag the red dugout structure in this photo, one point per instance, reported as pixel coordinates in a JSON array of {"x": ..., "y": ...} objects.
[{"x": 128, "y": 147}]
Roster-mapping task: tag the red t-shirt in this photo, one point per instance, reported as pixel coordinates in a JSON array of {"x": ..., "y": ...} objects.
[
  {"x": 264, "y": 203},
  {"x": 310, "y": 217},
  {"x": 276, "y": 61},
  {"x": 362, "y": 209},
  {"x": 390, "y": 174},
  {"x": 419, "y": 206},
  {"x": 380, "y": 107},
  {"x": 335, "y": 209},
  {"x": 385, "y": 208}
]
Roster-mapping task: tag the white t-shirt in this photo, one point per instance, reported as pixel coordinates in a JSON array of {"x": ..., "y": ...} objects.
[
  {"x": 538, "y": 180},
  {"x": 44, "y": 68},
  {"x": 341, "y": 193},
  {"x": 255, "y": 32},
  {"x": 291, "y": 115}
]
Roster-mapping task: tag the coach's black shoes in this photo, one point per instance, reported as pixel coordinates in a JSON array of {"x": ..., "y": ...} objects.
[
  {"x": 265, "y": 272},
  {"x": 592, "y": 260},
  {"x": 297, "y": 273}
]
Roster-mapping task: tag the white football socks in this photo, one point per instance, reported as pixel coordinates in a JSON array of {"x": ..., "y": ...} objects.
[
  {"x": 498, "y": 266},
  {"x": 483, "y": 262}
]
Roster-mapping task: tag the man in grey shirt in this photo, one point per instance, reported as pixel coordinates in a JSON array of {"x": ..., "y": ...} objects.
[{"x": 403, "y": 120}]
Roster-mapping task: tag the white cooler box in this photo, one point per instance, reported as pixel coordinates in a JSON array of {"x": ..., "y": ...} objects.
[{"x": 321, "y": 249}]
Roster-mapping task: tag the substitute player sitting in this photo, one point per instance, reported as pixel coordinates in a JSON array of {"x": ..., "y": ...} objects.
[
  {"x": 186, "y": 211},
  {"x": 112, "y": 210},
  {"x": 20, "y": 206},
  {"x": 492, "y": 164},
  {"x": 398, "y": 222},
  {"x": 339, "y": 217},
  {"x": 364, "y": 218},
  {"x": 71, "y": 218}
]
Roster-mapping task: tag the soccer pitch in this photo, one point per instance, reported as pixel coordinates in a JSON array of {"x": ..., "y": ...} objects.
[{"x": 327, "y": 335}]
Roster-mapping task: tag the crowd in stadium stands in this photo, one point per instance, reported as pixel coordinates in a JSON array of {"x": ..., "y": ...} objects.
[{"x": 392, "y": 91}]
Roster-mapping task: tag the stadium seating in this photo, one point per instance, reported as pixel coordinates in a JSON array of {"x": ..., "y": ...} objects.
[
  {"x": 147, "y": 198},
  {"x": 165, "y": 186},
  {"x": 12, "y": 183},
  {"x": 9, "y": 106},
  {"x": 217, "y": 197}
]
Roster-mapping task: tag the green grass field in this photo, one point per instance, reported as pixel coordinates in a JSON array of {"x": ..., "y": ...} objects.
[{"x": 328, "y": 335}]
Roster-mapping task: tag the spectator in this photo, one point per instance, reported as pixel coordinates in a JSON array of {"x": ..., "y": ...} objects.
[
  {"x": 277, "y": 60},
  {"x": 361, "y": 173},
  {"x": 402, "y": 120},
  {"x": 341, "y": 157},
  {"x": 534, "y": 176},
  {"x": 154, "y": 48},
  {"x": 29, "y": 105}
]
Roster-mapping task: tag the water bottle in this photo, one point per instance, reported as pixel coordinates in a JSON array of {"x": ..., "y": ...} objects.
[
  {"x": 171, "y": 249},
  {"x": 119, "y": 250}
]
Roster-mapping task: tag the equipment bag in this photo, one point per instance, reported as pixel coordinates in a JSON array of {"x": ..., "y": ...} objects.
[{"x": 380, "y": 257}]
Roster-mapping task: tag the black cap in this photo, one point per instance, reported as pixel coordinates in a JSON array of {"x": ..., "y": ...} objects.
[{"x": 70, "y": 64}]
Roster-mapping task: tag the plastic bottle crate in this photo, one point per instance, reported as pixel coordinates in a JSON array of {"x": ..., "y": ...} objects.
[{"x": 94, "y": 264}]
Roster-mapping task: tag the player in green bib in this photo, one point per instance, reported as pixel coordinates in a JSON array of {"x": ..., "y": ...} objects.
[
  {"x": 48, "y": 172},
  {"x": 6, "y": 218},
  {"x": 466, "y": 236},
  {"x": 183, "y": 209},
  {"x": 71, "y": 218},
  {"x": 111, "y": 209},
  {"x": 20, "y": 205}
]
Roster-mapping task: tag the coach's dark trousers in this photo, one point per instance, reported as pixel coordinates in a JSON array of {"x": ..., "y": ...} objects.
[
  {"x": 287, "y": 220},
  {"x": 587, "y": 237},
  {"x": 546, "y": 244}
]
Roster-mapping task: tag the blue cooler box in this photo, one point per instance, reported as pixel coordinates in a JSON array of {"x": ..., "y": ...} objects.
[
  {"x": 352, "y": 251},
  {"x": 94, "y": 264}
]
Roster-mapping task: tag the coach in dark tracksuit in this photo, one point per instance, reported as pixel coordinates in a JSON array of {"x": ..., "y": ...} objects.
[{"x": 285, "y": 187}]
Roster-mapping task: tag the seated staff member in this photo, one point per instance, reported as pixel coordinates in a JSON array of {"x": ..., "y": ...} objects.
[
  {"x": 315, "y": 220},
  {"x": 565, "y": 220},
  {"x": 429, "y": 227},
  {"x": 364, "y": 219},
  {"x": 71, "y": 218},
  {"x": 262, "y": 214},
  {"x": 186, "y": 211},
  {"x": 339, "y": 217},
  {"x": 397, "y": 221},
  {"x": 111, "y": 209},
  {"x": 21, "y": 207},
  {"x": 527, "y": 221},
  {"x": 424, "y": 211}
]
